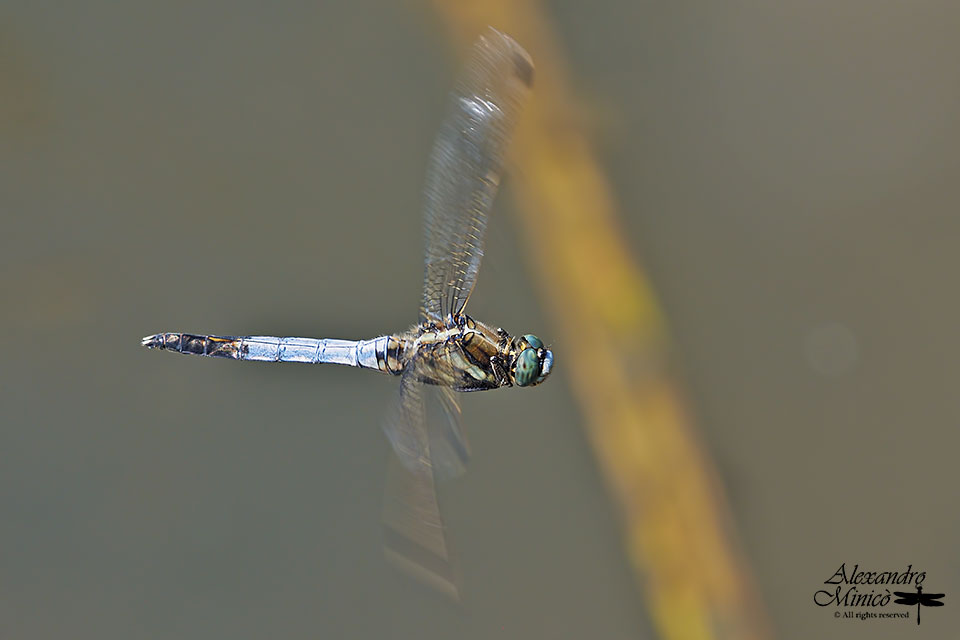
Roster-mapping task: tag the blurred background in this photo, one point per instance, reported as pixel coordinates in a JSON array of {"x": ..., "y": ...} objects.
[{"x": 786, "y": 173}]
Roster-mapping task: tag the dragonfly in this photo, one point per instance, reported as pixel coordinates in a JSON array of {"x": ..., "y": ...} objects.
[
  {"x": 919, "y": 598},
  {"x": 447, "y": 351}
]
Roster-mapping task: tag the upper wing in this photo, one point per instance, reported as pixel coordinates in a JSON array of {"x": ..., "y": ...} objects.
[{"x": 465, "y": 167}]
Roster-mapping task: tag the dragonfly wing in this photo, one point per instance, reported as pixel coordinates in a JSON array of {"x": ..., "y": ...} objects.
[
  {"x": 404, "y": 422},
  {"x": 414, "y": 535},
  {"x": 415, "y": 540},
  {"x": 906, "y": 597},
  {"x": 449, "y": 448},
  {"x": 929, "y": 599},
  {"x": 424, "y": 426},
  {"x": 464, "y": 169}
]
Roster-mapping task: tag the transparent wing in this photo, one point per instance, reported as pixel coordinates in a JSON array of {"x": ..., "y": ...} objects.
[
  {"x": 423, "y": 424},
  {"x": 405, "y": 422},
  {"x": 415, "y": 538},
  {"x": 464, "y": 169},
  {"x": 449, "y": 448}
]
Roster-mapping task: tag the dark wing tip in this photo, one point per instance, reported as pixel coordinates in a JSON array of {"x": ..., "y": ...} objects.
[
  {"x": 523, "y": 65},
  {"x": 522, "y": 62}
]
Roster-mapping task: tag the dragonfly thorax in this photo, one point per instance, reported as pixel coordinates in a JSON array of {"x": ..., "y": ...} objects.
[{"x": 469, "y": 355}]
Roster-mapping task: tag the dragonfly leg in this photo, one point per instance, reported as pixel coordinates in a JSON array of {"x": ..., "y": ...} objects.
[{"x": 500, "y": 371}]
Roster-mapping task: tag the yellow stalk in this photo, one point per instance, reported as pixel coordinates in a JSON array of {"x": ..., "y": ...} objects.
[{"x": 674, "y": 513}]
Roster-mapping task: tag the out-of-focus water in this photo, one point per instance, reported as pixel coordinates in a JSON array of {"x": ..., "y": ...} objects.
[{"x": 787, "y": 172}]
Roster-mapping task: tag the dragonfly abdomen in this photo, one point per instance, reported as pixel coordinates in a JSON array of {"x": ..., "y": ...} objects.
[{"x": 381, "y": 353}]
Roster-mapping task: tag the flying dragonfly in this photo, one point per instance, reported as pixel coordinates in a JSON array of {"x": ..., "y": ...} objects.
[{"x": 447, "y": 350}]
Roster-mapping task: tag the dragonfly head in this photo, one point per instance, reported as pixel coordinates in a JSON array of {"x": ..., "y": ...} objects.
[{"x": 532, "y": 362}]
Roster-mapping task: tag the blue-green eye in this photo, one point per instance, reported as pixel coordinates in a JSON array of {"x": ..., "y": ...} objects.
[
  {"x": 528, "y": 367},
  {"x": 533, "y": 341}
]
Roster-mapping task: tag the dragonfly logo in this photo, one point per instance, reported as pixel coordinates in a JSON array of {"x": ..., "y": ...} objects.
[
  {"x": 864, "y": 595},
  {"x": 919, "y": 598}
]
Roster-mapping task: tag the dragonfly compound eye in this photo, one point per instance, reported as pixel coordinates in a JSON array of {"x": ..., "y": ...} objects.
[
  {"x": 533, "y": 341},
  {"x": 528, "y": 368}
]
